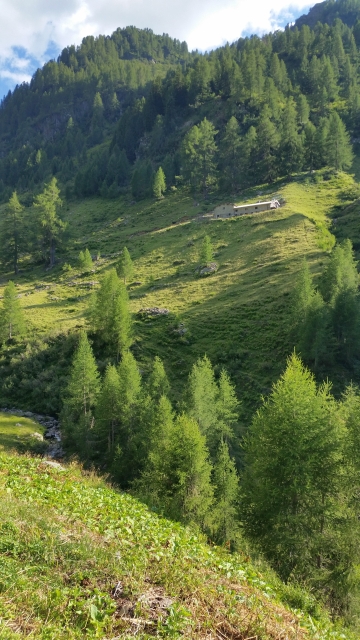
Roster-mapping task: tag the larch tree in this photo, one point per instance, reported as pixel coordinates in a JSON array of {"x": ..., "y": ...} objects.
[
  {"x": 292, "y": 470},
  {"x": 188, "y": 472},
  {"x": 12, "y": 321},
  {"x": 339, "y": 148},
  {"x": 226, "y": 493},
  {"x": 198, "y": 153},
  {"x": 125, "y": 266},
  {"x": 47, "y": 203},
  {"x": 159, "y": 185},
  {"x": 108, "y": 413},
  {"x": 12, "y": 233},
  {"x": 80, "y": 397},
  {"x": 231, "y": 155},
  {"x": 109, "y": 313},
  {"x": 206, "y": 252},
  {"x": 85, "y": 260}
]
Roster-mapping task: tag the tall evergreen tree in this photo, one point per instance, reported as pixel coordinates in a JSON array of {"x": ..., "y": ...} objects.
[
  {"x": 206, "y": 253},
  {"x": 108, "y": 410},
  {"x": 48, "y": 203},
  {"x": 226, "y": 493},
  {"x": 230, "y": 155},
  {"x": 290, "y": 485},
  {"x": 80, "y": 399},
  {"x": 12, "y": 233},
  {"x": 198, "y": 151},
  {"x": 109, "y": 313},
  {"x": 339, "y": 148},
  {"x": 267, "y": 146},
  {"x": 125, "y": 267},
  {"x": 159, "y": 185},
  {"x": 189, "y": 494},
  {"x": 12, "y": 321}
]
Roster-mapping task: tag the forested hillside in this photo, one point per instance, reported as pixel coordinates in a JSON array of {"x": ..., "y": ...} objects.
[{"x": 207, "y": 366}]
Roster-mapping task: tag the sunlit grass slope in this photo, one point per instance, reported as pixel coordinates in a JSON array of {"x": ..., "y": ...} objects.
[
  {"x": 21, "y": 434},
  {"x": 238, "y": 316},
  {"x": 80, "y": 560}
]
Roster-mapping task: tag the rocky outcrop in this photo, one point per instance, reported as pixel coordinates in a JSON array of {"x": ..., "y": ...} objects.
[{"x": 52, "y": 430}]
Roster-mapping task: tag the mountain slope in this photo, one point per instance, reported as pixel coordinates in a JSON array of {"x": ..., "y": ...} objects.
[
  {"x": 238, "y": 316},
  {"x": 97, "y": 564},
  {"x": 348, "y": 11}
]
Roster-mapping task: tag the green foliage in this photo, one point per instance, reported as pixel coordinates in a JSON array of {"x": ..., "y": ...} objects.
[
  {"x": 188, "y": 493},
  {"x": 85, "y": 260},
  {"x": 12, "y": 321},
  {"x": 80, "y": 398},
  {"x": 206, "y": 254},
  {"x": 79, "y": 538},
  {"x": 293, "y": 485},
  {"x": 159, "y": 186},
  {"x": 198, "y": 153},
  {"x": 12, "y": 234},
  {"x": 47, "y": 204},
  {"x": 110, "y": 315},
  {"x": 225, "y": 513},
  {"x": 125, "y": 267}
]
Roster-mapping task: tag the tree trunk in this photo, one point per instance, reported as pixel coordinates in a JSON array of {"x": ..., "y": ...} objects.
[{"x": 52, "y": 252}]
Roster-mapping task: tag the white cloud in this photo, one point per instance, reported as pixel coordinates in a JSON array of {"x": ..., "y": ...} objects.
[{"x": 32, "y": 24}]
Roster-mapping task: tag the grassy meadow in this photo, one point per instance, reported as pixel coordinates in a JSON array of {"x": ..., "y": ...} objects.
[
  {"x": 21, "y": 434},
  {"x": 239, "y": 316}
]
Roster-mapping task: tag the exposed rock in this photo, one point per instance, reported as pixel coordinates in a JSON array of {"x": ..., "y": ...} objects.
[
  {"x": 54, "y": 465},
  {"x": 210, "y": 268},
  {"x": 38, "y": 436},
  {"x": 154, "y": 311}
]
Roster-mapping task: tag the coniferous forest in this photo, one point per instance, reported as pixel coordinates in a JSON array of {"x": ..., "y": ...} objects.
[{"x": 235, "y": 411}]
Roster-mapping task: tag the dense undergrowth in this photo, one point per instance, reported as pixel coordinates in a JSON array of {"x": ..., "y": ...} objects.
[{"x": 81, "y": 557}]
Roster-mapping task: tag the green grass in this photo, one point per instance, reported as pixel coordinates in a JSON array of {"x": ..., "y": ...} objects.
[
  {"x": 80, "y": 560},
  {"x": 17, "y": 433},
  {"x": 238, "y": 316}
]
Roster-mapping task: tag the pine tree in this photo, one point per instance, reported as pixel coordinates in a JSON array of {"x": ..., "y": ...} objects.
[
  {"x": 303, "y": 109},
  {"x": 158, "y": 383},
  {"x": 108, "y": 413},
  {"x": 153, "y": 484},
  {"x": 226, "y": 483},
  {"x": 12, "y": 233},
  {"x": 12, "y": 322},
  {"x": 202, "y": 395},
  {"x": 267, "y": 146},
  {"x": 125, "y": 267},
  {"x": 132, "y": 443},
  {"x": 80, "y": 398},
  {"x": 159, "y": 185},
  {"x": 339, "y": 148},
  {"x": 227, "y": 409},
  {"x": 230, "y": 155},
  {"x": 47, "y": 204},
  {"x": 189, "y": 494},
  {"x": 198, "y": 152},
  {"x": 291, "y": 146},
  {"x": 290, "y": 486},
  {"x": 110, "y": 314},
  {"x": 206, "y": 253},
  {"x": 85, "y": 260}
]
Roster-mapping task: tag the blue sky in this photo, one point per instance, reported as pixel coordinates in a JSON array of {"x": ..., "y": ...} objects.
[{"x": 33, "y": 32}]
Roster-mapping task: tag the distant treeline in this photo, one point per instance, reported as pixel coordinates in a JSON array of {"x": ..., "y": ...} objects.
[{"x": 93, "y": 120}]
